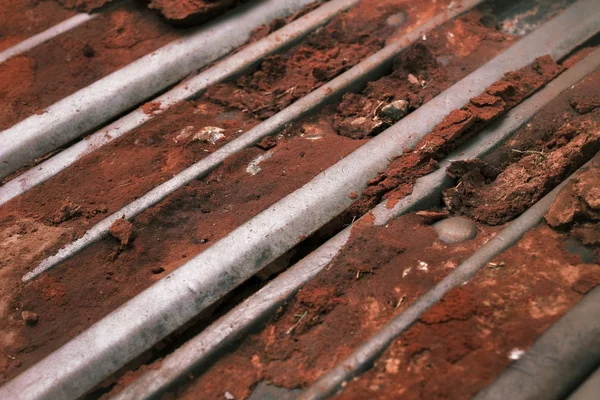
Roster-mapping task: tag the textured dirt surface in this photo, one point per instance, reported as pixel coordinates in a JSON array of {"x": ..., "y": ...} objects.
[
  {"x": 380, "y": 271},
  {"x": 70, "y": 298},
  {"x": 554, "y": 145},
  {"x": 83, "y": 5},
  {"x": 459, "y": 126},
  {"x": 192, "y": 11},
  {"x": 34, "y": 17},
  {"x": 79, "y": 197},
  {"x": 466, "y": 340},
  {"x": 63, "y": 65}
]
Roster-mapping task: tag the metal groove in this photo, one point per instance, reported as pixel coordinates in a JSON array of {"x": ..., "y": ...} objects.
[
  {"x": 171, "y": 302},
  {"x": 360, "y": 73},
  {"x": 259, "y": 306},
  {"x": 370, "y": 350},
  {"x": 222, "y": 70},
  {"x": 46, "y": 35},
  {"x": 88, "y": 108},
  {"x": 558, "y": 361}
]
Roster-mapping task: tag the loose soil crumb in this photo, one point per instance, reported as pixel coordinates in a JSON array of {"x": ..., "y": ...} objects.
[
  {"x": 534, "y": 165},
  {"x": 122, "y": 230},
  {"x": 459, "y": 126}
]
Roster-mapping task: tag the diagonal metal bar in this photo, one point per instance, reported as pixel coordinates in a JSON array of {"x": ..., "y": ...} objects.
[
  {"x": 369, "y": 68},
  {"x": 106, "y": 98},
  {"x": 260, "y": 306},
  {"x": 183, "y": 294},
  {"x": 227, "y": 68},
  {"x": 48, "y": 34},
  {"x": 365, "y": 354}
]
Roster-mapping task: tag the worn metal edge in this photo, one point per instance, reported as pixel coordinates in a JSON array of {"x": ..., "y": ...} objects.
[
  {"x": 106, "y": 98},
  {"x": 238, "y": 321},
  {"x": 363, "y": 357},
  {"x": 180, "y": 296},
  {"x": 361, "y": 73},
  {"x": 227, "y": 68},
  {"x": 590, "y": 388}
]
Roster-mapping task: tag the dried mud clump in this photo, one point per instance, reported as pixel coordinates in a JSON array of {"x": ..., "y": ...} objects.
[
  {"x": 494, "y": 197},
  {"x": 122, "y": 230},
  {"x": 459, "y": 126},
  {"x": 83, "y": 5},
  {"x": 576, "y": 209},
  {"x": 186, "y": 12}
]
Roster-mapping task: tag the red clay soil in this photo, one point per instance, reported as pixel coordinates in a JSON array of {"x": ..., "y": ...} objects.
[
  {"x": 459, "y": 126},
  {"x": 464, "y": 342},
  {"x": 557, "y": 142},
  {"x": 380, "y": 271},
  {"x": 21, "y": 19},
  {"x": 178, "y": 12},
  {"x": 72, "y": 61},
  {"x": 71, "y": 298}
]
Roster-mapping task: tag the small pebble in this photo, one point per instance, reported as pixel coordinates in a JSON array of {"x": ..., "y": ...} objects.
[
  {"x": 396, "y": 109},
  {"x": 396, "y": 20},
  {"x": 455, "y": 229},
  {"x": 30, "y": 318}
]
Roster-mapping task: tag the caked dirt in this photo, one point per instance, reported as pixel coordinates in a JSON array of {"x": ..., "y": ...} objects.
[
  {"x": 21, "y": 19},
  {"x": 70, "y": 298},
  {"x": 380, "y": 271},
  {"x": 178, "y": 12},
  {"x": 479, "y": 327},
  {"x": 559, "y": 140},
  {"x": 465, "y": 341},
  {"x": 53, "y": 70},
  {"x": 459, "y": 126}
]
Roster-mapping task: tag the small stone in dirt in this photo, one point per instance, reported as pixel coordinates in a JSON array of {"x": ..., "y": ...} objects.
[
  {"x": 396, "y": 20},
  {"x": 209, "y": 134},
  {"x": 455, "y": 229},
  {"x": 396, "y": 109},
  {"x": 157, "y": 270},
  {"x": 122, "y": 230},
  {"x": 29, "y": 317},
  {"x": 229, "y": 396}
]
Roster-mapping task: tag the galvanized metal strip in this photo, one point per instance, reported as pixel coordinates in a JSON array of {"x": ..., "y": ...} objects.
[
  {"x": 180, "y": 296},
  {"x": 366, "y": 353},
  {"x": 260, "y": 306},
  {"x": 361, "y": 73},
  {"x": 591, "y": 387},
  {"x": 48, "y": 34},
  {"x": 88, "y": 108},
  {"x": 222, "y": 70},
  {"x": 567, "y": 353}
]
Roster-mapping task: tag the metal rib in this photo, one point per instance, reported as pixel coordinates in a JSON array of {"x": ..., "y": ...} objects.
[
  {"x": 46, "y": 35},
  {"x": 259, "y": 306},
  {"x": 183, "y": 294},
  {"x": 88, "y": 108},
  {"x": 365, "y": 354},
  {"x": 222, "y": 70},
  {"x": 361, "y": 73}
]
